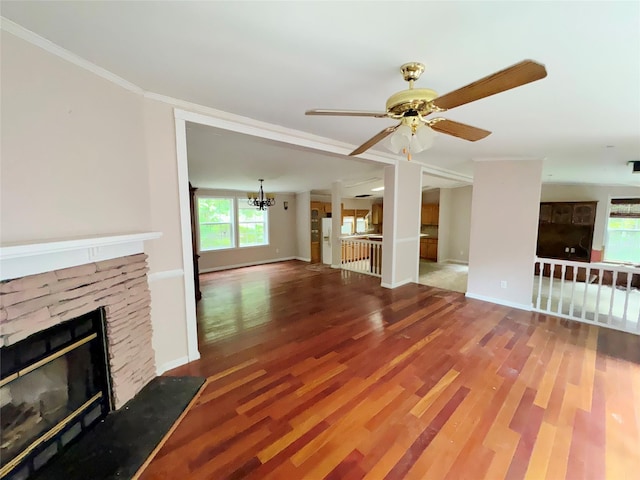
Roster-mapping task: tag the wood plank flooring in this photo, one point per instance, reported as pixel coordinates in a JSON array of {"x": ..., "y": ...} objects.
[{"x": 317, "y": 373}]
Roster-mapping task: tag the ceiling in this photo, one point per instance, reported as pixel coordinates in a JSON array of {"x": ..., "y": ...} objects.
[{"x": 271, "y": 61}]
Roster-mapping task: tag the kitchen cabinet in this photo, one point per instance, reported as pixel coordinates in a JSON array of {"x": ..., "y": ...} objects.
[
  {"x": 429, "y": 214},
  {"x": 429, "y": 249},
  {"x": 326, "y": 207},
  {"x": 316, "y": 208},
  {"x": 376, "y": 214},
  {"x": 565, "y": 230},
  {"x": 584, "y": 214}
]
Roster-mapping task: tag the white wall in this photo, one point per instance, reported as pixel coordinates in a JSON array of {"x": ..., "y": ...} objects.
[
  {"x": 401, "y": 224},
  {"x": 73, "y": 151},
  {"x": 303, "y": 226},
  {"x": 598, "y": 193},
  {"x": 283, "y": 243},
  {"x": 504, "y": 225}
]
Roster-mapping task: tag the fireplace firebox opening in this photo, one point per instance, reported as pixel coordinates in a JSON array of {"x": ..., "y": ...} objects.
[{"x": 54, "y": 385}]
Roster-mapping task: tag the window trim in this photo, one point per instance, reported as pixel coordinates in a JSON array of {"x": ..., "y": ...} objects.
[
  {"x": 605, "y": 243},
  {"x": 235, "y": 223},
  {"x": 232, "y": 223},
  {"x": 266, "y": 225}
]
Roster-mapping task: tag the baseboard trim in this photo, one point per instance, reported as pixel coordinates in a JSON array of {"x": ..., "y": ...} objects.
[
  {"x": 499, "y": 301},
  {"x": 303, "y": 259},
  {"x": 397, "y": 284},
  {"x": 170, "y": 365},
  {"x": 248, "y": 264},
  {"x": 459, "y": 262}
]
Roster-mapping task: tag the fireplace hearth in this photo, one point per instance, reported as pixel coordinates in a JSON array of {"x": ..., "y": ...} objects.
[{"x": 54, "y": 385}]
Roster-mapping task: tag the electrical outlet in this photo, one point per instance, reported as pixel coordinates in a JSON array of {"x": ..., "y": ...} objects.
[
  {"x": 566, "y": 249},
  {"x": 461, "y": 252},
  {"x": 503, "y": 284},
  {"x": 573, "y": 250},
  {"x": 277, "y": 250}
]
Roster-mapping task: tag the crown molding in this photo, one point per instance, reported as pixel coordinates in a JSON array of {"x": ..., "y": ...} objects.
[
  {"x": 506, "y": 159},
  {"x": 35, "y": 39},
  {"x": 218, "y": 118}
]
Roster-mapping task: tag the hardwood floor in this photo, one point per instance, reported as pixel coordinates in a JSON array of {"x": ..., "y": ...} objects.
[{"x": 318, "y": 373}]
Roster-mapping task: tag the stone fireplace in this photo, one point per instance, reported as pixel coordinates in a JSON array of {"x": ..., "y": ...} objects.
[{"x": 114, "y": 294}]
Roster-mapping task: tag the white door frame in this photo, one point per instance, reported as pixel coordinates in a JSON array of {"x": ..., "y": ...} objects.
[{"x": 248, "y": 126}]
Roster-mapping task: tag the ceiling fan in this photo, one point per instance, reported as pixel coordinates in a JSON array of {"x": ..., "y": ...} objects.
[{"x": 413, "y": 105}]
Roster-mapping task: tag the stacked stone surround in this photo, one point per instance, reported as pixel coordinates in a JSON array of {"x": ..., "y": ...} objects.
[{"x": 36, "y": 302}]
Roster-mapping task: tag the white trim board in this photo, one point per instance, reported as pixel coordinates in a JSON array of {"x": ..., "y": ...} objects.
[
  {"x": 32, "y": 258},
  {"x": 397, "y": 284},
  {"x": 498, "y": 301},
  {"x": 170, "y": 365},
  {"x": 165, "y": 274},
  {"x": 249, "y": 264}
]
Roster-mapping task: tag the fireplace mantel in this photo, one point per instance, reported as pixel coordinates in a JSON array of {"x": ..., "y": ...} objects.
[{"x": 20, "y": 260}]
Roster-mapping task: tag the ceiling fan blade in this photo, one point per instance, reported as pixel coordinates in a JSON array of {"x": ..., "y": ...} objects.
[
  {"x": 457, "y": 129},
  {"x": 346, "y": 113},
  {"x": 375, "y": 139},
  {"x": 519, "y": 74}
]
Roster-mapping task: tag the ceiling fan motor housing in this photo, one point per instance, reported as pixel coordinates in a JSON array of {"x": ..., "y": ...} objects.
[{"x": 417, "y": 99}]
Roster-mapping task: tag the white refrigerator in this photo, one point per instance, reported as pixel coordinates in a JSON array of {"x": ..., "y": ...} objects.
[{"x": 326, "y": 241}]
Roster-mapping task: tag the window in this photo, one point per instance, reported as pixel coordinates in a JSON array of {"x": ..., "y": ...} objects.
[
  {"x": 229, "y": 223},
  {"x": 252, "y": 226},
  {"x": 623, "y": 231},
  {"x": 347, "y": 226},
  {"x": 215, "y": 217}
]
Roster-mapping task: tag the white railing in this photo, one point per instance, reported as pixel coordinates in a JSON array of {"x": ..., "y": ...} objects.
[
  {"x": 360, "y": 255},
  {"x": 596, "y": 293}
]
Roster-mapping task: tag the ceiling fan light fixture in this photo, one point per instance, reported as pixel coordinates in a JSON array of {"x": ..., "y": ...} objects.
[
  {"x": 404, "y": 140},
  {"x": 400, "y": 139}
]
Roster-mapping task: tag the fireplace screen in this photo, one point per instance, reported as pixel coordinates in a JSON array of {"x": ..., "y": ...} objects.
[{"x": 54, "y": 385}]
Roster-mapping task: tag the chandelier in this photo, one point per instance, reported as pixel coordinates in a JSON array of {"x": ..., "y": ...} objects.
[{"x": 261, "y": 200}]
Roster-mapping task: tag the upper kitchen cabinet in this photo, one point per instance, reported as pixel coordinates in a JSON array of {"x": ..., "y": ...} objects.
[
  {"x": 376, "y": 214},
  {"x": 568, "y": 213},
  {"x": 565, "y": 230},
  {"x": 561, "y": 213},
  {"x": 429, "y": 214},
  {"x": 584, "y": 213},
  {"x": 326, "y": 206}
]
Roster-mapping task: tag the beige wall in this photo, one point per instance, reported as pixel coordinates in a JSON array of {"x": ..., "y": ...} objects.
[
  {"x": 282, "y": 236},
  {"x": 73, "y": 152},
  {"x": 460, "y": 224},
  {"x": 303, "y": 226},
  {"x": 431, "y": 196},
  {"x": 82, "y": 156},
  {"x": 454, "y": 224},
  {"x": 165, "y": 253},
  {"x": 504, "y": 225},
  {"x": 579, "y": 193}
]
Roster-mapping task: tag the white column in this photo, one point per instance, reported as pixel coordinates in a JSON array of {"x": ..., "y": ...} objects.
[
  {"x": 504, "y": 230},
  {"x": 401, "y": 223},
  {"x": 336, "y": 223}
]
